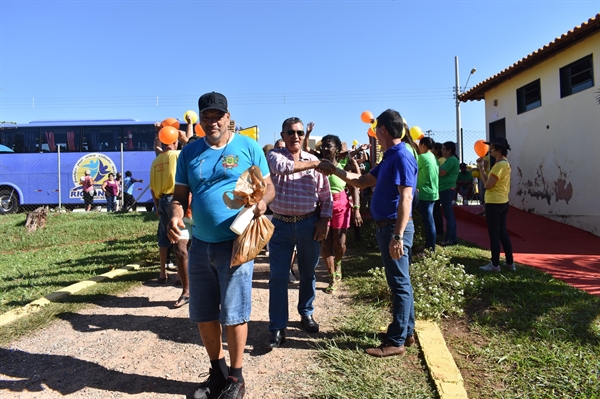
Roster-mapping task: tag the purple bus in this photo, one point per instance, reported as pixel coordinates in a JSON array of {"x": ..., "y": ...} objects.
[{"x": 41, "y": 162}]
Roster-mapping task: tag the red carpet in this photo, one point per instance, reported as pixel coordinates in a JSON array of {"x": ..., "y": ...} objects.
[{"x": 567, "y": 253}]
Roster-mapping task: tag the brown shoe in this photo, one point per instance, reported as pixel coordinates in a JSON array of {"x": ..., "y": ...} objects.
[
  {"x": 410, "y": 340},
  {"x": 386, "y": 349}
]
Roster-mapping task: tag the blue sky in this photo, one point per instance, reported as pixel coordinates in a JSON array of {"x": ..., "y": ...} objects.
[{"x": 324, "y": 61}]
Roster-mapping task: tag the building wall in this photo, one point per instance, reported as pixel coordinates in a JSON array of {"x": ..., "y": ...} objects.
[{"x": 555, "y": 155}]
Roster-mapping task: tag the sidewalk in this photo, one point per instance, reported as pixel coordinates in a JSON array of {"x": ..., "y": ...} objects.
[{"x": 567, "y": 253}]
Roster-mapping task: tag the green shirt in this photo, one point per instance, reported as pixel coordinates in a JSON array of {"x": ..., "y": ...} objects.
[
  {"x": 451, "y": 166},
  {"x": 428, "y": 179},
  {"x": 336, "y": 184},
  {"x": 466, "y": 176}
]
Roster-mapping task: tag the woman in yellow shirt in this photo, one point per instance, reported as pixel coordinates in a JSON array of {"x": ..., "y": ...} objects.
[{"x": 497, "y": 185}]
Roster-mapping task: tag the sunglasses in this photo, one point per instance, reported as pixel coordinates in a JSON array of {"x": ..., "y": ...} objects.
[{"x": 291, "y": 132}]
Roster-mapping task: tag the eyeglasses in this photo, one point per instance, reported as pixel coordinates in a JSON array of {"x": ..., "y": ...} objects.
[
  {"x": 291, "y": 132},
  {"x": 327, "y": 146}
]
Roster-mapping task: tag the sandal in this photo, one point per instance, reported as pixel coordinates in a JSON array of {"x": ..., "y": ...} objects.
[
  {"x": 162, "y": 280},
  {"x": 183, "y": 300},
  {"x": 338, "y": 271},
  {"x": 334, "y": 280}
]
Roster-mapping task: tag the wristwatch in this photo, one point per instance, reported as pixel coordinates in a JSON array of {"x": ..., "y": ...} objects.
[{"x": 397, "y": 237}]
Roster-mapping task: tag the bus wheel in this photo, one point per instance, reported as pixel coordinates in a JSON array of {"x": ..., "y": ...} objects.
[{"x": 9, "y": 201}]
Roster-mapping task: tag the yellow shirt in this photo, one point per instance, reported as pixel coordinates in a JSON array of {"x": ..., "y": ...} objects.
[
  {"x": 499, "y": 193},
  {"x": 162, "y": 173}
]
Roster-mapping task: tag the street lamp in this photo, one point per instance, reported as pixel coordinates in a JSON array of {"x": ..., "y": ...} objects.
[{"x": 459, "y": 138}]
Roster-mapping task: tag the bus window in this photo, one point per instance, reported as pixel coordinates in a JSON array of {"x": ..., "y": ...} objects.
[
  {"x": 139, "y": 138},
  {"x": 101, "y": 138},
  {"x": 67, "y": 138},
  {"x": 21, "y": 140}
]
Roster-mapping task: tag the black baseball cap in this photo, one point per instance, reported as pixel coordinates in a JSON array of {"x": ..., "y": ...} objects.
[
  {"x": 499, "y": 141},
  {"x": 212, "y": 100}
]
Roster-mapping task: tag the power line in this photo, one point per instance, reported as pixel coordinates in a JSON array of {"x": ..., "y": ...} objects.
[{"x": 143, "y": 101}]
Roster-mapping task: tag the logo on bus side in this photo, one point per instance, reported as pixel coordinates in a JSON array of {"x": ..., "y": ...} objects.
[{"x": 99, "y": 165}]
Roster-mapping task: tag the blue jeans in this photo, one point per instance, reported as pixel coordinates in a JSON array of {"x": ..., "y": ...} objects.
[
  {"x": 110, "y": 203},
  {"x": 281, "y": 248},
  {"x": 426, "y": 211},
  {"x": 446, "y": 198},
  {"x": 218, "y": 291},
  {"x": 398, "y": 278}
]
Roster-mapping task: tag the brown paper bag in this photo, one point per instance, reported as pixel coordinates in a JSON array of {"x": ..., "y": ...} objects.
[
  {"x": 248, "y": 245},
  {"x": 249, "y": 189}
]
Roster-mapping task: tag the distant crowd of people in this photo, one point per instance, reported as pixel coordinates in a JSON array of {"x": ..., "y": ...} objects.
[{"x": 118, "y": 192}]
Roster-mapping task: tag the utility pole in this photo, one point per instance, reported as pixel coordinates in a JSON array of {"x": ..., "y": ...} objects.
[
  {"x": 459, "y": 133},
  {"x": 457, "y": 103}
]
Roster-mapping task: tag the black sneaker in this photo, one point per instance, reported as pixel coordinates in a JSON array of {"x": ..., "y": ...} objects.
[
  {"x": 233, "y": 390},
  {"x": 211, "y": 388}
]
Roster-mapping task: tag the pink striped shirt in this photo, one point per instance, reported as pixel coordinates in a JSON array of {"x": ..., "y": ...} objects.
[{"x": 298, "y": 193}]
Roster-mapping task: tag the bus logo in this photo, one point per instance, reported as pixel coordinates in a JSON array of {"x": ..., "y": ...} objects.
[{"x": 99, "y": 166}]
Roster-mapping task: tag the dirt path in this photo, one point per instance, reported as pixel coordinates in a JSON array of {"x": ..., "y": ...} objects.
[{"x": 137, "y": 345}]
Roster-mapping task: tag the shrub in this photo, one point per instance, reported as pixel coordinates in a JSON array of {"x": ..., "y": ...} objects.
[{"x": 440, "y": 288}]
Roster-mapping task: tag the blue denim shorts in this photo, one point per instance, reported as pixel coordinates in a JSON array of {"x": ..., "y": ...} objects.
[
  {"x": 163, "y": 221},
  {"x": 218, "y": 291}
]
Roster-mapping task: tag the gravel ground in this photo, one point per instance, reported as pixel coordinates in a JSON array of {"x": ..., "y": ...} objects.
[{"x": 138, "y": 345}]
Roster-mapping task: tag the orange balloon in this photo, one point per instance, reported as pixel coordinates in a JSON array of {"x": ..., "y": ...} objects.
[
  {"x": 371, "y": 132},
  {"x": 199, "y": 131},
  {"x": 170, "y": 122},
  {"x": 421, "y": 136},
  {"x": 481, "y": 148},
  {"x": 367, "y": 117},
  {"x": 168, "y": 135}
]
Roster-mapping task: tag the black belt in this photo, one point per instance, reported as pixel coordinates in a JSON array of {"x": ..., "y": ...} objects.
[
  {"x": 386, "y": 222},
  {"x": 292, "y": 219}
]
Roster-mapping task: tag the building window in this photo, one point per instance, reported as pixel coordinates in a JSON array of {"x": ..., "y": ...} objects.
[
  {"x": 577, "y": 76},
  {"x": 529, "y": 97}
]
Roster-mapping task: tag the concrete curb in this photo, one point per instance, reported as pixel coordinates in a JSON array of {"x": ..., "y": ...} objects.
[
  {"x": 38, "y": 304},
  {"x": 442, "y": 368}
]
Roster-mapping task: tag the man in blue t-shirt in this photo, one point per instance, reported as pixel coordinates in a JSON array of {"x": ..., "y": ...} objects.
[
  {"x": 128, "y": 184},
  {"x": 395, "y": 181},
  {"x": 219, "y": 294}
]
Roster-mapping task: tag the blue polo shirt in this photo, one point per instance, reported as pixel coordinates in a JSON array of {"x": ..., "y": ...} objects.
[
  {"x": 211, "y": 171},
  {"x": 398, "y": 168}
]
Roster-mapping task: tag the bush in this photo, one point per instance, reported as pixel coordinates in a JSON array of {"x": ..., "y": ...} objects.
[{"x": 440, "y": 288}]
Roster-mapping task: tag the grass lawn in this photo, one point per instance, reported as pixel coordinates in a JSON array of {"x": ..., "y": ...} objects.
[
  {"x": 71, "y": 248},
  {"x": 527, "y": 335},
  {"x": 524, "y": 335}
]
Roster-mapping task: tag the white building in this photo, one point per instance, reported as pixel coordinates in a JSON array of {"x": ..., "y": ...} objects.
[{"x": 547, "y": 107}]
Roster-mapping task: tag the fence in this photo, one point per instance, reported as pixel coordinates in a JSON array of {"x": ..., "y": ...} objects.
[{"x": 28, "y": 181}]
